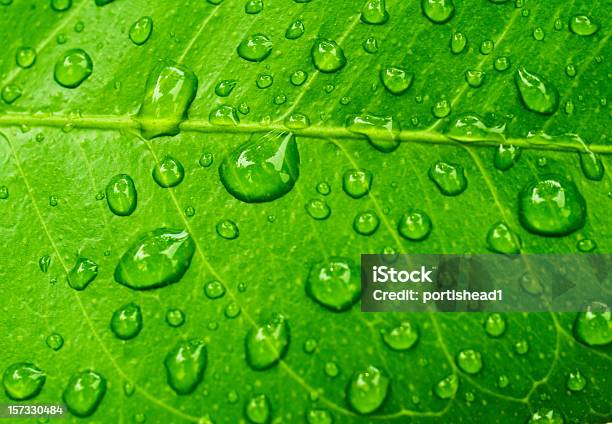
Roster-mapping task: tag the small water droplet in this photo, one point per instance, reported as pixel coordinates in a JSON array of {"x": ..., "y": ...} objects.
[
  {"x": 280, "y": 99},
  {"x": 255, "y": 48},
  {"x": 25, "y": 57},
  {"x": 225, "y": 87},
  {"x": 169, "y": 172},
  {"x": 298, "y": 77},
  {"x": 253, "y": 7},
  {"x": 521, "y": 347},
  {"x": 495, "y": 325},
  {"x": 502, "y": 63},
  {"x": 310, "y": 345},
  {"x": 84, "y": 392},
  {"x": 55, "y": 341},
  {"x": 374, "y": 12},
  {"x": 537, "y": 94},
  {"x": 538, "y": 34},
  {"x": 319, "y": 416},
  {"x": 334, "y": 283},
  {"x": 551, "y": 206},
  {"x": 10, "y": 93},
  {"x": 366, "y": 223},
  {"x": 446, "y": 388},
  {"x": 591, "y": 164},
  {"x": 323, "y": 188},
  {"x": 458, "y": 42},
  {"x": 401, "y": 337},
  {"x": 327, "y": 56},
  {"x": 264, "y": 81},
  {"x": 474, "y": 78},
  {"x": 438, "y": 11},
  {"x": 331, "y": 369},
  {"x": 257, "y": 409},
  {"x": 546, "y": 416},
  {"x": 126, "y": 322},
  {"x": 224, "y": 116},
  {"x": 449, "y": 178},
  {"x": 367, "y": 389},
  {"x": 189, "y": 211},
  {"x": 175, "y": 317},
  {"x": 370, "y": 45},
  {"x": 414, "y": 225},
  {"x": 506, "y": 155},
  {"x": 471, "y": 127},
  {"x": 141, "y": 30},
  {"x": 583, "y": 25},
  {"x": 53, "y": 201},
  {"x": 502, "y": 239},
  {"x": 396, "y": 80},
  {"x": 4, "y": 192},
  {"x": 156, "y": 259},
  {"x": 206, "y": 159},
  {"x": 318, "y": 209},
  {"x": 227, "y": 229},
  {"x": 441, "y": 109},
  {"x": 267, "y": 344},
  {"x": 121, "y": 195},
  {"x": 486, "y": 47},
  {"x": 214, "y": 289},
  {"x": 593, "y": 327},
  {"x": 295, "y": 30},
  {"x": 61, "y": 5},
  {"x": 470, "y": 361},
  {"x": 44, "y": 263},
  {"x": 232, "y": 310},
  {"x": 357, "y": 182},
  {"x": 185, "y": 365},
  {"x": 381, "y": 131},
  {"x": 84, "y": 272},
  {"x": 575, "y": 381},
  {"x": 23, "y": 381},
  {"x": 297, "y": 121},
  {"x": 586, "y": 245},
  {"x": 74, "y": 67}
]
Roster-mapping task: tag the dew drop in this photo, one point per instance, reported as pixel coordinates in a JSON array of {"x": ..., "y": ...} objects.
[
  {"x": 141, "y": 30},
  {"x": 570, "y": 70},
  {"x": 495, "y": 325},
  {"x": 84, "y": 272},
  {"x": 253, "y": 7},
  {"x": 366, "y": 223},
  {"x": 538, "y": 34},
  {"x": 438, "y": 11},
  {"x": 583, "y": 25},
  {"x": 169, "y": 172},
  {"x": 502, "y": 63},
  {"x": 367, "y": 389},
  {"x": 414, "y": 225},
  {"x": 323, "y": 188},
  {"x": 54, "y": 341},
  {"x": 502, "y": 239},
  {"x": 310, "y": 345},
  {"x": 84, "y": 392},
  {"x": 10, "y": 93},
  {"x": 268, "y": 343},
  {"x": 471, "y": 127},
  {"x": 551, "y": 206},
  {"x": 23, "y": 381},
  {"x": 319, "y": 416},
  {"x": 185, "y": 365},
  {"x": 401, "y": 337},
  {"x": 446, "y": 388},
  {"x": 449, "y": 178},
  {"x": 295, "y": 30},
  {"x": 4, "y": 193},
  {"x": 175, "y": 317},
  {"x": 521, "y": 347},
  {"x": 121, "y": 195},
  {"x": 74, "y": 67},
  {"x": 474, "y": 78},
  {"x": 297, "y": 121},
  {"x": 374, "y": 12},
  {"x": 224, "y": 116},
  {"x": 357, "y": 182},
  {"x": 156, "y": 259},
  {"x": 126, "y": 322},
  {"x": 381, "y": 131},
  {"x": 227, "y": 229},
  {"x": 546, "y": 416},
  {"x": 255, "y": 48},
  {"x": 189, "y": 211},
  {"x": 586, "y": 245},
  {"x": 327, "y": 56},
  {"x": 396, "y": 80},
  {"x": 257, "y": 409},
  {"x": 506, "y": 155},
  {"x": 486, "y": 47},
  {"x": 53, "y": 202},
  {"x": 214, "y": 289},
  {"x": 318, "y": 209},
  {"x": 331, "y": 369},
  {"x": 370, "y": 45},
  {"x": 232, "y": 310},
  {"x": 263, "y": 169},
  {"x": 470, "y": 361},
  {"x": 536, "y": 93},
  {"x": 61, "y": 5},
  {"x": 25, "y": 57},
  {"x": 264, "y": 81},
  {"x": 591, "y": 164},
  {"x": 334, "y": 283},
  {"x": 298, "y": 77},
  {"x": 575, "y": 381},
  {"x": 458, "y": 42},
  {"x": 44, "y": 263},
  {"x": 593, "y": 327},
  {"x": 441, "y": 109},
  {"x": 206, "y": 160},
  {"x": 224, "y": 88}
]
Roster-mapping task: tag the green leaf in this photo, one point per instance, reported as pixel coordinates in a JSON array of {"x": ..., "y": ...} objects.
[{"x": 60, "y": 147}]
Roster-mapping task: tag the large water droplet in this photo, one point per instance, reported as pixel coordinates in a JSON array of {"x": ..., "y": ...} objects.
[
  {"x": 552, "y": 206},
  {"x": 126, "y": 321},
  {"x": 381, "y": 131},
  {"x": 263, "y": 169},
  {"x": 84, "y": 393},
  {"x": 334, "y": 283},
  {"x": 396, "y": 80},
  {"x": 169, "y": 172},
  {"x": 121, "y": 195},
  {"x": 255, "y": 48},
  {"x": 84, "y": 272},
  {"x": 374, "y": 12},
  {"x": 185, "y": 365},
  {"x": 266, "y": 344},
  {"x": 538, "y": 95},
  {"x": 25, "y": 57},
  {"x": 74, "y": 67},
  {"x": 257, "y": 409},
  {"x": 23, "y": 381},
  {"x": 447, "y": 387},
  {"x": 471, "y": 127},
  {"x": 438, "y": 11},
  {"x": 156, "y": 259},
  {"x": 141, "y": 30},
  {"x": 449, "y": 178},
  {"x": 470, "y": 361},
  {"x": 327, "y": 56},
  {"x": 367, "y": 390},
  {"x": 169, "y": 91},
  {"x": 366, "y": 223},
  {"x": 591, "y": 164},
  {"x": 414, "y": 225},
  {"x": 401, "y": 337},
  {"x": 506, "y": 156},
  {"x": 502, "y": 239},
  {"x": 594, "y": 326},
  {"x": 295, "y": 30},
  {"x": 583, "y": 25},
  {"x": 357, "y": 182}
]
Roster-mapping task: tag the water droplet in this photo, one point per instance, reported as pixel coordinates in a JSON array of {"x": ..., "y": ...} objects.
[
  {"x": 310, "y": 345},
  {"x": 126, "y": 322},
  {"x": 214, "y": 289},
  {"x": 263, "y": 169},
  {"x": 319, "y": 416},
  {"x": 61, "y": 5},
  {"x": 495, "y": 325},
  {"x": 280, "y": 99},
  {"x": 575, "y": 381},
  {"x": 255, "y": 48},
  {"x": 323, "y": 188},
  {"x": 84, "y": 272},
  {"x": 331, "y": 369},
  {"x": 74, "y": 67},
  {"x": 471, "y": 127},
  {"x": 374, "y": 12},
  {"x": 79, "y": 26},
  {"x": 474, "y": 78},
  {"x": 298, "y": 77},
  {"x": 225, "y": 87},
  {"x": 438, "y": 11},
  {"x": 368, "y": 389},
  {"x": 227, "y": 229},
  {"x": 502, "y": 63},
  {"x": 224, "y": 116},
  {"x": 44, "y": 263},
  {"x": 537, "y": 94},
  {"x": 206, "y": 159},
  {"x": 121, "y": 195},
  {"x": 257, "y": 409},
  {"x": 538, "y": 34},
  {"x": 55, "y": 341},
  {"x": 586, "y": 245},
  {"x": 327, "y": 56},
  {"x": 334, "y": 283},
  {"x": 318, "y": 209},
  {"x": 381, "y": 131},
  {"x": 591, "y": 164},
  {"x": 401, "y": 337},
  {"x": 486, "y": 47},
  {"x": 458, "y": 42},
  {"x": 570, "y": 70},
  {"x": 25, "y": 57},
  {"x": 185, "y": 365},
  {"x": 366, "y": 223},
  {"x": 169, "y": 91},
  {"x": 189, "y": 211},
  {"x": 396, "y": 80},
  {"x": 267, "y": 344},
  {"x": 169, "y": 172},
  {"x": 297, "y": 121},
  {"x": 583, "y": 25},
  {"x": 10, "y": 93},
  {"x": 470, "y": 361},
  {"x": 414, "y": 225},
  {"x": 253, "y": 7},
  {"x": 156, "y": 259},
  {"x": 53, "y": 200},
  {"x": 441, "y": 109},
  {"x": 175, "y": 317},
  {"x": 521, "y": 347},
  {"x": 546, "y": 416},
  {"x": 295, "y": 30},
  {"x": 357, "y": 182},
  {"x": 264, "y": 81},
  {"x": 141, "y": 30},
  {"x": 506, "y": 156},
  {"x": 23, "y": 381},
  {"x": 447, "y": 387},
  {"x": 551, "y": 206},
  {"x": 449, "y": 178},
  {"x": 370, "y": 45},
  {"x": 4, "y": 193},
  {"x": 232, "y": 310},
  {"x": 84, "y": 393},
  {"x": 594, "y": 327},
  {"x": 502, "y": 239}
]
